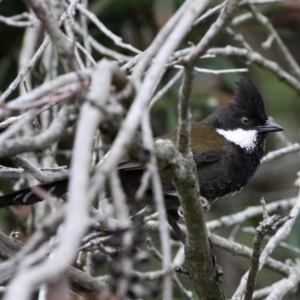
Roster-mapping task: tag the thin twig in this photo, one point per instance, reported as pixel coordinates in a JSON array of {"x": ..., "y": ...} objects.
[{"x": 268, "y": 223}]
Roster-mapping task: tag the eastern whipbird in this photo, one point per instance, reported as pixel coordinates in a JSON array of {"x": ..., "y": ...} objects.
[{"x": 227, "y": 148}]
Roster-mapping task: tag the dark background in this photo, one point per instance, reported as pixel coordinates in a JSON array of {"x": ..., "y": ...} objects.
[{"x": 138, "y": 22}]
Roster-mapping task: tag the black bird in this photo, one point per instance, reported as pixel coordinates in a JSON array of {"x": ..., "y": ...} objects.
[{"x": 227, "y": 148}]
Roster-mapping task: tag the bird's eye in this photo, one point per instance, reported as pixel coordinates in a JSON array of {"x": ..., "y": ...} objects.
[{"x": 245, "y": 121}]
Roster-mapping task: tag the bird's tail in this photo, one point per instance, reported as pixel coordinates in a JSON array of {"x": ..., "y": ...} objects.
[{"x": 28, "y": 196}]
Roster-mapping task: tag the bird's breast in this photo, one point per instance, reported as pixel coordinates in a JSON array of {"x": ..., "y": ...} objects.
[{"x": 229, "y": 175}]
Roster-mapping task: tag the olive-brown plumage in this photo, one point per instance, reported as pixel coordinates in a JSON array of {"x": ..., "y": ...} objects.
[{"x": 227, "y": 148}]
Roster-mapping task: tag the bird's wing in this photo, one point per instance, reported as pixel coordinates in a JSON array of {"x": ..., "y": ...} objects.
[
  {"x": 206, "y": 158},
  {"x": 200, "y": 159},
  {"x": 207, "y": 145}
]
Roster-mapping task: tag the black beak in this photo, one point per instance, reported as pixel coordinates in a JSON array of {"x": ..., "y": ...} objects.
[{"x": 269, "y": 127}]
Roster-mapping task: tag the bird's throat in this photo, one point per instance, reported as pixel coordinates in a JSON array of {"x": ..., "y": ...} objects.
[{"x": 246, "y": 139}]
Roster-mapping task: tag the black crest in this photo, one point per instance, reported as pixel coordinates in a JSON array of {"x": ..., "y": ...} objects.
[{"x": 249, "y": 98}]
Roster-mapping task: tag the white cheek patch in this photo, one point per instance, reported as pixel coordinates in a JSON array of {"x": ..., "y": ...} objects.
[{"x": 244, "y": 138}]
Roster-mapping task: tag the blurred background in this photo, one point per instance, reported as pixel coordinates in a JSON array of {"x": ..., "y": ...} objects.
[{"x": 138, "y": 22}]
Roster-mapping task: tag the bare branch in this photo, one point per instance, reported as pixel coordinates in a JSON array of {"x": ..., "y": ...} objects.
[
  {"x": 286, "y": 54},
  {"x": 40, "y": 141},
  {"x": 257, "y": 58},
  {"x": 281, "y": 152},
  {"x": 160, "y": 207},
  {"x": 30, "y": 64},
  {"x": 281, "y": 234},
  {"x": 268, "y": 223},
  {"x": 249, "y": 213},
  {"x": 64, "y": 48},
  {"x": 116, "y": 39}
]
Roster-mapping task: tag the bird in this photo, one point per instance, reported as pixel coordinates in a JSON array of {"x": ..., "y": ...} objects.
[{"x": 227, "y": 147}]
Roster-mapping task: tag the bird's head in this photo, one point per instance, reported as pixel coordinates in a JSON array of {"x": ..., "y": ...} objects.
[{"x": 244, "y": 121}]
